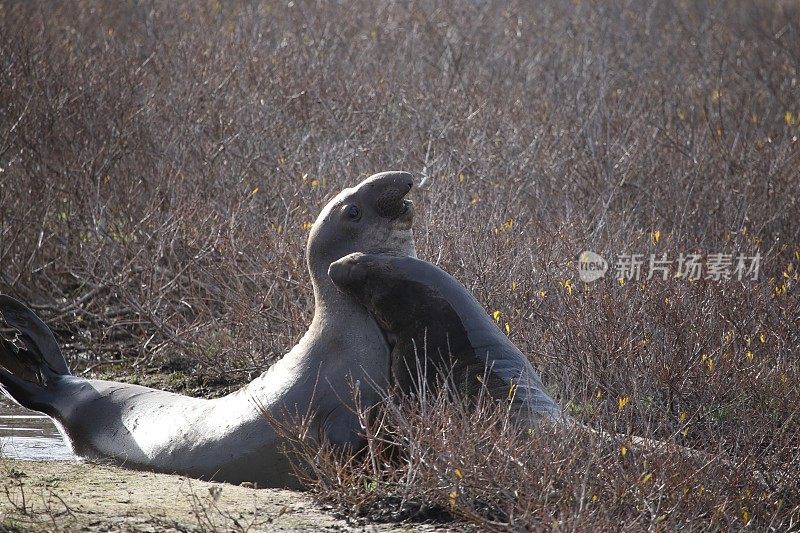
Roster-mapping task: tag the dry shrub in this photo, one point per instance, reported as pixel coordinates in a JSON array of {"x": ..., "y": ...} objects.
[
  {"x": 439, "y": 458},
  {"x": 160, "y": 164}
]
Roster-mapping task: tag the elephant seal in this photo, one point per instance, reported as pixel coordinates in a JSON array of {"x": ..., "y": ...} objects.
[
  {"x": 437, "y": 328},
  {"x": 229, "y": 438}
]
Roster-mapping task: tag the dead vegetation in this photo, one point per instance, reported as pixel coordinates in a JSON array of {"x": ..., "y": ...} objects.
[
  {"x": 160, "y": 165},
  {"x": 437, "y": 458}
]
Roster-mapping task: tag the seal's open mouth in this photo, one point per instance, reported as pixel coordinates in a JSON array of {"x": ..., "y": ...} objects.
[
  {"x": 406, "y": 213},
  {"x": 407, "y": 208}
]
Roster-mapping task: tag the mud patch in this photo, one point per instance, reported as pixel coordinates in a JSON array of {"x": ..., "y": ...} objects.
[{"x": 52, "y": 496}]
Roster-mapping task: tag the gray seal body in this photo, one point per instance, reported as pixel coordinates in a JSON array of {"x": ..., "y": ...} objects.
[
  {"x": 229, "y": 438},
  {"x": 437, "y": 328}
]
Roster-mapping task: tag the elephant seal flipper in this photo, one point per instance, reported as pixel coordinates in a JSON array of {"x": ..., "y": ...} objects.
[
  {"x": 423, "y": 308},
  {"x": 37, "y": 337},
  {"x": 229, "y": 438},
  {"x": 27, "y": 374}
]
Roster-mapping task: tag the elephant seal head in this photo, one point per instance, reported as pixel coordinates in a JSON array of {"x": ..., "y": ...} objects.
[{"x": 373, "y": 217}]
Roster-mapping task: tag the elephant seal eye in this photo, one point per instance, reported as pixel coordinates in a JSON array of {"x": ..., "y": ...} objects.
[{"x": 353, "y": 212}]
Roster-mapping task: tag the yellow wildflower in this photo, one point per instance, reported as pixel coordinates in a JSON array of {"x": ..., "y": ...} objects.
[
  {"x": 623, "y": 402},
  {"x": 656, "y": 236}
]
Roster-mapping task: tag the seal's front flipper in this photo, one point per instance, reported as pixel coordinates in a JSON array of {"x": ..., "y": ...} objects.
[{"x": 42, "y": 345}]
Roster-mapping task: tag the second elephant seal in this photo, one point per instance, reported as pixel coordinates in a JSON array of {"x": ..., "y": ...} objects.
[{"x": 438, "y": 328}]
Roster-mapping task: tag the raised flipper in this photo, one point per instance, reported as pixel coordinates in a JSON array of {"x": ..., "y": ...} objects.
[
  {"x": 34, "y": 333},
  {"x": 25, "y": 373}
]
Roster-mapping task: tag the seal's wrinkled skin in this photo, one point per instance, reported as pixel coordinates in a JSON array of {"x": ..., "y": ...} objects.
[
  {"x": 437, "y": 328},
  {"x": 229, "y": 439}
]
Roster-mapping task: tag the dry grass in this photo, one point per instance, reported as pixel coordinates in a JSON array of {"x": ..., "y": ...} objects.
[
  {"x": 159, "y": 165},
  {"x": 436, "y": 458}
]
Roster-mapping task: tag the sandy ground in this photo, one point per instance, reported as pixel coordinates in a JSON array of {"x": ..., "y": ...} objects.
[{"x": 64, "y": 496}]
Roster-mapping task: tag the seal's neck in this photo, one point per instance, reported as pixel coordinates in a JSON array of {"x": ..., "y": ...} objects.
[
  {"x": 342, "y": 341},
  {"x": 330, "y": 302},
  {"x": 344, "y": 338}
]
